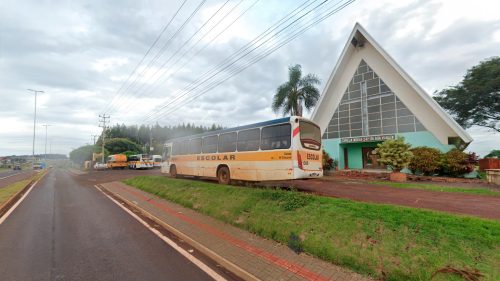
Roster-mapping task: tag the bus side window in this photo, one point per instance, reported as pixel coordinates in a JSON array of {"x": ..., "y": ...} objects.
[
  {"x": 276, "y": 137},
  {"x": 249, "y": 140}
]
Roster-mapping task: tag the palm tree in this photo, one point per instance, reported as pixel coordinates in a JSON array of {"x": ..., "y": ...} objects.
[{"x": 298, "y": 91}]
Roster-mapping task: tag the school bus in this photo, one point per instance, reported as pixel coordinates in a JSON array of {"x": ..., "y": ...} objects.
[
  {"x": 280, "y": 149},
  {"x": 139, "y": 161},
  {"x": 157, "y": 159}
]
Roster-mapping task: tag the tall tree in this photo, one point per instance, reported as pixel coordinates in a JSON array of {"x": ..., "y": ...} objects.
[
  {"x": 296, "y": 93},
  {"x": 475, "y": 100}
]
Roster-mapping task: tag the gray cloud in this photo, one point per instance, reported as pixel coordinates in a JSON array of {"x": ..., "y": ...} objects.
[{"x": 79, "y": 53}]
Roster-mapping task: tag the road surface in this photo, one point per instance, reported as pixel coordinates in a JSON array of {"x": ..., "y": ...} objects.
[{"x": 66, "y": 229}]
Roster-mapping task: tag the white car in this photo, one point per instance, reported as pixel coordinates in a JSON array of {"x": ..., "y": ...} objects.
[{"x": 100, "y": 166}]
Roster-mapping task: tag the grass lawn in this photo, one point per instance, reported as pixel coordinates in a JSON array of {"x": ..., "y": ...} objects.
[
  {"x": 380, "y": 240},
  {"x": 443, "y": 188}
]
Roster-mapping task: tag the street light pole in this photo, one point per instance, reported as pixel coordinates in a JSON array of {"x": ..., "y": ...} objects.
[
  {"x": 34, "y": 123},
  {"x": 46, "y": 126}
]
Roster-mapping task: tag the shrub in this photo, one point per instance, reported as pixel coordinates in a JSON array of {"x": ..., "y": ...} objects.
[
  {"x": 455, "y": 163},
  {"x": 426, "y": 160},
  {"x": 394, "y": 153},
  {"x": 328, "y": 163}
]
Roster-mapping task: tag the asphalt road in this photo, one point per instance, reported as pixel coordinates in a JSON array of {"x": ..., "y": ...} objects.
[{"x": 66, "y": 229}]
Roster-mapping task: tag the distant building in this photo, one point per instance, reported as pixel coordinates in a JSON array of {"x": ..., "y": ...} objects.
[{"x": 369, "y": 98}]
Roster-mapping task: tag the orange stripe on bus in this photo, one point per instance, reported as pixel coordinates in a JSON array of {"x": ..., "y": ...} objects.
[{"x": 248, "y": 156}]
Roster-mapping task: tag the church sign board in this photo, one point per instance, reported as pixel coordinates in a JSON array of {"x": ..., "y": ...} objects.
[{"x": 367, "y": 139}]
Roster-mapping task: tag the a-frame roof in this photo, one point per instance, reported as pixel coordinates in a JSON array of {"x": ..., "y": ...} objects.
[{"x": 361, "y": 45}]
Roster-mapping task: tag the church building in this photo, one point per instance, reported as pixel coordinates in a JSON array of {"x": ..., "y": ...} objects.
[{"x": 369, "y": 98}]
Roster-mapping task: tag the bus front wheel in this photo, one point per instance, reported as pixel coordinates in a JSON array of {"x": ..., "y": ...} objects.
[
  {"x": 223, "y": 175},
  {"x": 173, "y": 171}
]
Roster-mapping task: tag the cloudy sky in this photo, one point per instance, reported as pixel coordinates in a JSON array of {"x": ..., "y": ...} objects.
[{"x": 82, "y": 54}]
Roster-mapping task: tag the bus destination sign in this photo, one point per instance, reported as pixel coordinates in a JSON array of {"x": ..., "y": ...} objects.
[{"x": 368, "y": 138}]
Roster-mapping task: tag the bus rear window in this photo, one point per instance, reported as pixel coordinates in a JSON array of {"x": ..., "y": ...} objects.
[{"x": 310, "y": 135}]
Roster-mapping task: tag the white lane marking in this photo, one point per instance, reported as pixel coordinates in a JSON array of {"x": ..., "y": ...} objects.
[
  {"x": 6, "y": 215},
  {"x": 167, "y": 240}
]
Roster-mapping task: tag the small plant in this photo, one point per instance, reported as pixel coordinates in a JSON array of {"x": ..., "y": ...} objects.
[
  {"x": 394, "y": 153},
  {"x": 425, "y": 160},
  {"x": 295, "y": 243}
]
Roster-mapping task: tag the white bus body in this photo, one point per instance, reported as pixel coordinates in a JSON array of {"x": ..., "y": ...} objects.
[{"x": 281, "y": 149}]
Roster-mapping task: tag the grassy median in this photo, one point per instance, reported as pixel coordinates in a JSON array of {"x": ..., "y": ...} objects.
[
  {"x": 441, "y": 188},
  {"x": 10, "y": 190},
  {"x": 385, "y": 241}
]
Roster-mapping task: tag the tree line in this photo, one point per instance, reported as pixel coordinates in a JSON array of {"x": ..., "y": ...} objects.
[{"x": 134, "y": 139}]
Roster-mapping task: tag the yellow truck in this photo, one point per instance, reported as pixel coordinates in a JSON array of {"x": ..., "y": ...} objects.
[{"x": 117, "y": 161}]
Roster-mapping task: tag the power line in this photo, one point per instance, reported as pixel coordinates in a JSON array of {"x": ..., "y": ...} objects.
[
  {"x": 129, "y": 100},
  {"x": 110, "y": 105},
  {"x": 266, "y": 32},
  {"x": 247, "y": 49},
  {"x": 166, "y": 45},
  {"x": 259, "y": 57},
  {"x": 166, "y": 78}
]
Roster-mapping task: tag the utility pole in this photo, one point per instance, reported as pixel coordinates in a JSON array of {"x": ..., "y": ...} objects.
[
  {"x": 93, "y": 149},
  {"x": 103, "y": 120},
  {"x": 34, "y": 123},
  {"x": 150, "y": 141},
  {"x": 46, "y": 126}
]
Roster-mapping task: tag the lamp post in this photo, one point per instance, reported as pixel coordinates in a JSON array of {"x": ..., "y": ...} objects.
[
  {"x": 46, "y": 126},
  {"x": 34, "y": 122}
]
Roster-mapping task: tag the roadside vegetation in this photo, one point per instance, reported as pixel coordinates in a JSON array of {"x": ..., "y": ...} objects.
[
  {"x": 384, "y": 241},
  {"x": 11, "y": 189},
  {"x": 442, "y": 188}
]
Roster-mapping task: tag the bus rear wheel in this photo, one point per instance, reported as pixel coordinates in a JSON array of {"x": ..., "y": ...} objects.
[
  {"x": 173, "y": 171},
  {"x": 223, "y": 175}
]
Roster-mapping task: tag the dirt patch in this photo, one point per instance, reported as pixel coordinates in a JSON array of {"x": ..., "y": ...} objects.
[{"x": 467, "y": 204}]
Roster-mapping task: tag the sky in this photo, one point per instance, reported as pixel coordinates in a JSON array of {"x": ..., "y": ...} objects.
[{"x": 92, "y": 58}]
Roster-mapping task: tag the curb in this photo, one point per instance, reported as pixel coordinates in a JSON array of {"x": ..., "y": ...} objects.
[
  {"x": 238, "y": 271},
  {"x": 5, "y": 206}
]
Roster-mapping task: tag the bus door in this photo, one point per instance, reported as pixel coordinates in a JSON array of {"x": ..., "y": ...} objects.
[{"x": 167, "y": 154}]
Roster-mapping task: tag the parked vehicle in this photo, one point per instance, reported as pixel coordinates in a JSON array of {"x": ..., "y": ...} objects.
[
  {"x": 281, "y": 149},
  {"x": 157, "y": 159},
  {"x": 140, "y": 161},
  {"x": 117, "y": 161},
  {"x": 17, "y": 167},
  {"x": 38, "y": 166},
  {"x": 100, "y": 166}
]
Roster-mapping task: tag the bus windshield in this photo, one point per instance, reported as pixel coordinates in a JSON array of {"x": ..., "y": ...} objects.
[{"x": 310, "y": 135}]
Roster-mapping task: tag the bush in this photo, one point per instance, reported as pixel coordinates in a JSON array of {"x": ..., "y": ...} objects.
[
  {"x": 395, "y": 153},
  {"x": 455, "y": 163},
  {"x": 328, "y": 163},
  {"x": 426, "y": 160}
]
